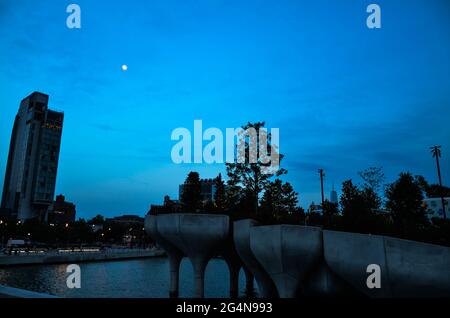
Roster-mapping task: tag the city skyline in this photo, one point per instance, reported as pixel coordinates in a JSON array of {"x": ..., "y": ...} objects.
[{"x": 350, "y": 97}]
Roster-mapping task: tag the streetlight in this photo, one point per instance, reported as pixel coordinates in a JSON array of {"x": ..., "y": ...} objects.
[
  {"x": 3, "y": 234},
  {"x": 322, "y": 174},
  {"x": 436, "y": 152},
  {"x": 68, "y": 233}
]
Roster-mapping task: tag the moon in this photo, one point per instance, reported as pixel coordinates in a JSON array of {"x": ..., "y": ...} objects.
[{"x": 124, "y": 67}]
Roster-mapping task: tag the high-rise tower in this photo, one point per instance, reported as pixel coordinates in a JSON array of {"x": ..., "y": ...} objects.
[
  {"x": 30, "y": 177},
  {"x": 333, "y": 196}
]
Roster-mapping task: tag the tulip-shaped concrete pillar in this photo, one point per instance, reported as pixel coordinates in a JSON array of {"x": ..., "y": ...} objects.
[
  {"x": 174, "y": 255},
  {"x": 417, "y": 269},
  {"x": 241, "y": 237},
  {"x": 234, "y": 279},
  {"x": 323, "y": 282},
  {"x": 199, "y": 265},
  {"x": 174, "y": 268},
  {"x": 198, "y": 236},
  {"x": 288, "y": 253},
  {"x": 249, "y": 286},
  {"x": 349, "y": 254},
  {"x": 234, "y": 264},
  {"x": 406, "y": 268}
]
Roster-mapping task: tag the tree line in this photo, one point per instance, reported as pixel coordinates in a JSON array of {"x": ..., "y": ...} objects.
[
  {"x": 96, "y": 231},
  {"x": 395, "y": 209}
]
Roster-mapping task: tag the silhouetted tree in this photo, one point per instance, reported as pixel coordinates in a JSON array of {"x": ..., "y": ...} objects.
[
  {"x": 98, "y": 219},
  {"x": 373, "y": 177},
  {"x": 233, "y": 192},
  {"x": 191, "y": 193},
  {"x": 209, "y": 207},
  {"x": 243, "y": 173},
  {"x": 436, "y": 191},
  {"x": 404, "y": 199},
  {"x": 313, "y": 219},
  {"x": 432, "y": 190},
  {"x": 357, "y": 207},
  {"x": 244, "y": 207},
  {"x": 330, "y": 210},
  {"x": 279, "y": 199},
  {"x": 81, "y": 232},
  {"x": 219, "y": 195}
]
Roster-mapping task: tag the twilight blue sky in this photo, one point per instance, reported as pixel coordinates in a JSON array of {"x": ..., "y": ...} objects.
[{"x": 344, "y": 97}]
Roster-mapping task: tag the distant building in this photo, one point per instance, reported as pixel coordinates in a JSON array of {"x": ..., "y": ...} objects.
[
  {"x": 168, "y": 202},
  {"x": 61, "y": 211},
  {"x": 129, "y": 220},
  {"x": 32, "y": 163},
  {"x": 314, "y": 208},
  {"x": 169, "y": 206},
  {"x": 433, "y": 207},
  {"x": 207, "y": 190},
  {"x": 334, "y": 197}
]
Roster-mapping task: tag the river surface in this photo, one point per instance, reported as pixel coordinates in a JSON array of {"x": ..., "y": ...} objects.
[{"x": 148, "y": 277}]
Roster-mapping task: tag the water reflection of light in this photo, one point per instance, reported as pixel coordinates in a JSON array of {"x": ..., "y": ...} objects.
[{"x": 130, "y": 278}]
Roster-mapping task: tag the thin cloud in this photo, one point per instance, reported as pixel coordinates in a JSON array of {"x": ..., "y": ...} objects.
[{"x": 110, "y": 128}]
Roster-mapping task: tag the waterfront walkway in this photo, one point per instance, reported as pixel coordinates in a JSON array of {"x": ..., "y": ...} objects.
[
  {"x": 11, "y": 292},
  {"x": 55, "y": 257}
]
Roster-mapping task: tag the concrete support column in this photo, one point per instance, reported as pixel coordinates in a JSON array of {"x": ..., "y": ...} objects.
[
  {"x": 249, "y": 285},
  {"x": 234, "y": 266},
  {"x": 175, "y": 255},
  {"x": 241, "y": 236},
  {"x": 234, "y": 269},
  {"x": 199, "y": 266},
  {"x": 174, "y": 267},
  {"x": 198, "y": 236}
]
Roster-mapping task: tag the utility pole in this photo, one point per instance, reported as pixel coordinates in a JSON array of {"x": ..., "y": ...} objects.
[
  {"x": 322, "y": 174},
  {"x": 436, "y": 151}
]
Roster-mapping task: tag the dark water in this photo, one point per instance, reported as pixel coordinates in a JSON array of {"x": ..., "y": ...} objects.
[{"x": 128, "y": 278}]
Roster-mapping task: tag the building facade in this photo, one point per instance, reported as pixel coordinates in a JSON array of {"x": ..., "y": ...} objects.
[
  {"x": 32, "y": 165},
  {"x": 334, "y": 197},
  {"x": 433, "y": 207},
  {"x": 127, "y": 220},
  {"x": 169, "y": 206},
  {"x": 207, "y": 190},
  {"x": 61, "y": 211}
]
